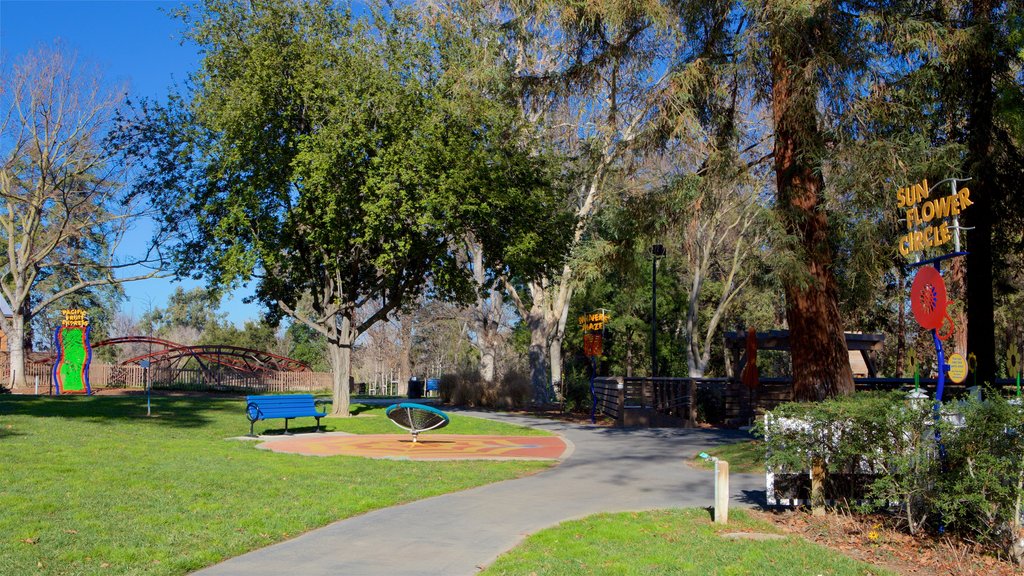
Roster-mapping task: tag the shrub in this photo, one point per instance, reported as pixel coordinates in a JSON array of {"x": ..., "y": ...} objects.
[
  {"x": 465, "y": 388},
  {"x": 979, "y": 492},
  {"x": 971, "y": 482}
]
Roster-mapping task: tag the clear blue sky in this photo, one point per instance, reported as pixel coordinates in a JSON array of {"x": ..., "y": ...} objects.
[{"x": 134, "y": 42}]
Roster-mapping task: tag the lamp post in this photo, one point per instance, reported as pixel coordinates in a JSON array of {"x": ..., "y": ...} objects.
[{"x": 657, "y": 251}]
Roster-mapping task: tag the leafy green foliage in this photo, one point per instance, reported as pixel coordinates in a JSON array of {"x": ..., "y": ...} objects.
[
  {"x": 970, "y": 481},
  {"x": 981, "y": 492}
]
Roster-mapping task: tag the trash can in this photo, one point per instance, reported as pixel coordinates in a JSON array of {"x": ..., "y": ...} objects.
[{"x": 415, "y": 388}]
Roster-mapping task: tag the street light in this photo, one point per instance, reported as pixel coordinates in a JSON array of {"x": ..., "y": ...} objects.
[{"x": 657, "y": 251}]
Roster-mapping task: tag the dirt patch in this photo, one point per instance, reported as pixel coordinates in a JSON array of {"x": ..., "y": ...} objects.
[{"x": 872, "y": 539}]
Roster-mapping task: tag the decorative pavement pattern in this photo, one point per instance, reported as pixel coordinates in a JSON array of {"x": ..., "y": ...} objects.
[{"x": 429, "y": 447}]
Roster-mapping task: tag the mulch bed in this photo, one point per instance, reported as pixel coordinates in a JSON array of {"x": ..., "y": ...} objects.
[{"x": 873, "y": 540}]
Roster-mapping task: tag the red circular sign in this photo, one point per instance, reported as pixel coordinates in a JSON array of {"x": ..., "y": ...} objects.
[{"x": 928, "y": 298}]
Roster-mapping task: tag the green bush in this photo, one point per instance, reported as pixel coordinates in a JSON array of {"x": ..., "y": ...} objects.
[
  {"x": 887, "y": 442},
  {"x": 980, "y": 490}
]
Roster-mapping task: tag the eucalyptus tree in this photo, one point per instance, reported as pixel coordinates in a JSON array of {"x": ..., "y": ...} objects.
[
  {"x": 318, "y": 156},
  {"x": 65, "y": 209}
]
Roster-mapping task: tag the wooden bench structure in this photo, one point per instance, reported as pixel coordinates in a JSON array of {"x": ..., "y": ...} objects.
[{"x": 285, "y": 406}]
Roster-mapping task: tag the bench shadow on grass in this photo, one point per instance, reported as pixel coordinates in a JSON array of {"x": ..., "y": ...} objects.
[{"x": 175, "y": 412}]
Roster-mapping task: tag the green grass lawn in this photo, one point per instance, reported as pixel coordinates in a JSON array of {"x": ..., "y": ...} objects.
[
  {"x": 89, "y": 485},
  {"x": 743, "y": 457},
  {"x": 675, "y": 542}
]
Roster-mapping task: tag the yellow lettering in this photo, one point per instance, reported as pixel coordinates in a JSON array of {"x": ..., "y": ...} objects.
[
  {"x": 965, "y": 197},
  {"x": 927, "y": 211},
  {"x": 905, "y": 245},
  {"x": 901, "y": 197},
  {"x": 913, "y": 219}
]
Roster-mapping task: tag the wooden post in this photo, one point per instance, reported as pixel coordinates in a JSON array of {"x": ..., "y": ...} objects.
[
  {"x": 818, "y": 486},
  {"x": 721, "y": 492}
]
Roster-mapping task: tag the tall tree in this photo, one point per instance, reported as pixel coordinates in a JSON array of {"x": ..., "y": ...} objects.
[
  {"x": 65, "y": 209},
  {"x": 316, "y": 155}
]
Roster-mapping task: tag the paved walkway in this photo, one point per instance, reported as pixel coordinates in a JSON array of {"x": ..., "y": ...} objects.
[{"x": 457, "y": 534}]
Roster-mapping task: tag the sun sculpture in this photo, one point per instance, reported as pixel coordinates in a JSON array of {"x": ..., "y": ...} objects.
[{"x": 416, "y": 418}]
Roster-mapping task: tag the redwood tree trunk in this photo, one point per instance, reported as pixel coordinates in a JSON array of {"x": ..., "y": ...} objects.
[{"x": 821, "y": 365}]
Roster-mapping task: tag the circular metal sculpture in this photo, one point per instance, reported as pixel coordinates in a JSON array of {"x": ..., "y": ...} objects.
[
  {"x": 928, "y": 301},
  {"x": 416, "y": 418}
]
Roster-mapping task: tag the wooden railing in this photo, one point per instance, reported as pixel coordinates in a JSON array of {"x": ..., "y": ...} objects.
[
  {"x": 610, "y": 397},
  {"x": 39, "y": 378},
  {"x": 674, "y": 398}
]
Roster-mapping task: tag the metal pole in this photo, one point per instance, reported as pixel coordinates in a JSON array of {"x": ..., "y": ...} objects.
[{"x": 654, "y": 317}]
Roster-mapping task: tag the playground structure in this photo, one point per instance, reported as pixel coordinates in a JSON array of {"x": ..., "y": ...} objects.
[
  {"x": 206, "y": 356},
  {"x": 171, "y": 365}
]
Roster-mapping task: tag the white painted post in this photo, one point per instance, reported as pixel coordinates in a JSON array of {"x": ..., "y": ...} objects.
[
  {"x": 37, "y": 384},
  {"x": 721, "y": 492}
]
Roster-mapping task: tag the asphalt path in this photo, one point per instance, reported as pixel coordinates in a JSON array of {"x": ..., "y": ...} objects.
[{"x": 608, "y": 470}]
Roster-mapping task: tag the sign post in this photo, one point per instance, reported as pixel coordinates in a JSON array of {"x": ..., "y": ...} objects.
[
  {"x": 593, "y": 347},
  {"x": 145, "y": 376}
]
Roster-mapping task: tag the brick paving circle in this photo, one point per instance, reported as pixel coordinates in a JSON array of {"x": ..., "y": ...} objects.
[{"x": 429, "y": 446}]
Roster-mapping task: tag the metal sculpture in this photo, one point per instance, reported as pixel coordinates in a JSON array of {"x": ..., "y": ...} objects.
[
  {"x": 416, "y": 418},
  {"x": 71, "y": 364},
  {"x": 928, "y": 301}
]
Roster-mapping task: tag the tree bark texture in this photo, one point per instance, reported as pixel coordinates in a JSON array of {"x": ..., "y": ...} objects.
[
  {"x": 821, "y": 366},
  {"x": 340, "y": 347}
]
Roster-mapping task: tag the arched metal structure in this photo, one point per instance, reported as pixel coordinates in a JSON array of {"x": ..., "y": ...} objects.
[{"x": 234, "y": 357}]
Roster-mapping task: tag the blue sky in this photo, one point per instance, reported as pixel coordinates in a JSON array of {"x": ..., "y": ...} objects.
[{"x": 134, "y": 42}]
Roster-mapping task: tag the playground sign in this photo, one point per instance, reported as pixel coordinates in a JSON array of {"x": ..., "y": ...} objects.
[
  {"x": 594, "y": 321},
  {"x": 928, "y": 224},
  {"x": 957, "y": 368},
  {"x": 71, "y": 366}
]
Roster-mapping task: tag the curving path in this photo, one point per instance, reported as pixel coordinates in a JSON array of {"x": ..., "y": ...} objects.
[{"x": 610, "y": 470}]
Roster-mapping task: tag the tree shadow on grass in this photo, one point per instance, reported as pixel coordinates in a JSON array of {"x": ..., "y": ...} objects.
[{"x": 175, "y": 412}]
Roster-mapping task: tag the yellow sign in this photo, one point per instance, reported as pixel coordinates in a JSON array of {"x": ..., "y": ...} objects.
[
  {"x": 74, "y": 317},
  {"x": 957, "y": 368},
  {"x": 593, "y": 322},
  {"x": 926, "y": 218}
]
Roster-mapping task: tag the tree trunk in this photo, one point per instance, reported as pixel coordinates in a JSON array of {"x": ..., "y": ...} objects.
[
  {"x": 980, "y": 301},
  {"x": 538, "y": 354},
  {"x": 486, "y": 370},
  {"x": 405, "y": 357},
  {"x": 821, "y": 365},
  {"x": 340, "y": 349},
  {"x": 16, "y": 349},
  {"x": 555, "y": 356}
]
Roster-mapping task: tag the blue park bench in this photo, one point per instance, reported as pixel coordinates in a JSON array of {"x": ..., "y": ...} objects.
[{"x": 286, "y": 406}]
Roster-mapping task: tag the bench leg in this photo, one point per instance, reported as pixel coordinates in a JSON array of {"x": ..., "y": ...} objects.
[
  {"x": 251, "y": 424},
  {"x": 318, "y": 425},
  {"x": 286, "y": 427}
]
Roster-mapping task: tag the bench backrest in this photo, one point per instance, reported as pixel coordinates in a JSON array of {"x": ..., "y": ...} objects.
[{"x": 272, "y": 406}]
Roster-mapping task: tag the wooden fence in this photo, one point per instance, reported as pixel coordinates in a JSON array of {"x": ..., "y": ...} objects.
[{"x": 116, "y": 376}]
